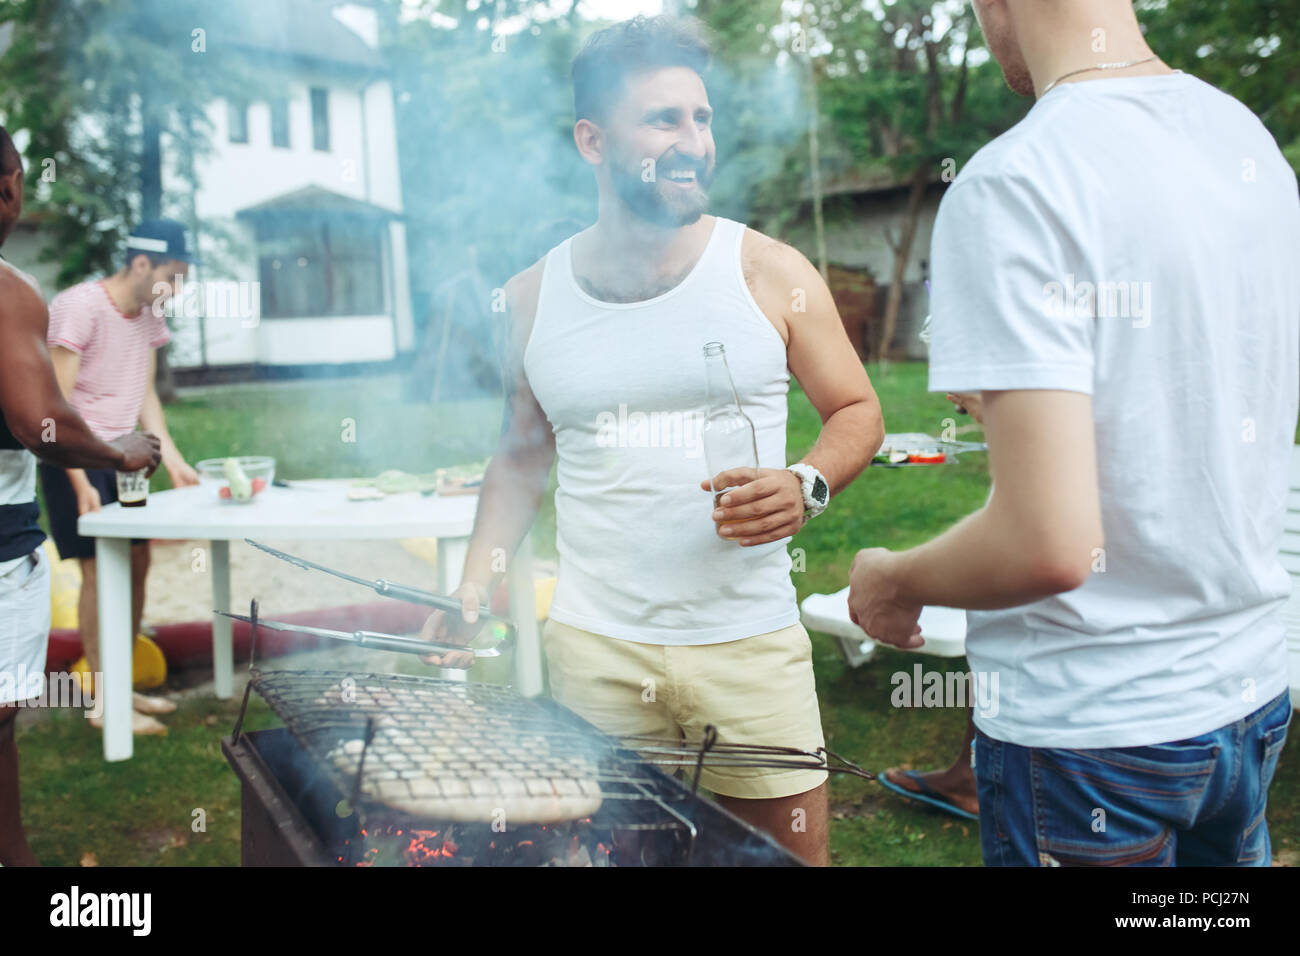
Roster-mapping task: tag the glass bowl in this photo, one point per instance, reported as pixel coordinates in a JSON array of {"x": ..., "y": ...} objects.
[{"x": 258, "y": 469}]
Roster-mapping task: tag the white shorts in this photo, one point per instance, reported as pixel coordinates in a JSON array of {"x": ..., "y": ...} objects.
[{"x": 24, "y": 625}]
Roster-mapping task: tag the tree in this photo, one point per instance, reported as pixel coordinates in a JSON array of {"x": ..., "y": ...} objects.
[
  {"x": 887, "y": 87},
  {"x": 490, "y": 176},
  {"x": 902, "y": 93},
  {"x": 1245, "y": 47},
  {"x": 484, "y": 113},
  {"x": 759, "y": 90},
  {"x": 96, "y": 85}
]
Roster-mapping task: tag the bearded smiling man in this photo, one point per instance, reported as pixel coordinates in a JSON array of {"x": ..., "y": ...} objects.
[{"x": 653, "y": 592}]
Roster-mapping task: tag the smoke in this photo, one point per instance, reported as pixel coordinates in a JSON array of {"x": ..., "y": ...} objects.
[
  {"x": 491, "y": 175},
  {"x": 462, "y": 127}
]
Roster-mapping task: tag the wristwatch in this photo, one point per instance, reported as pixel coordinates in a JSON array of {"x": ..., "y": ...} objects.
[{"x": 816, "y": 492}]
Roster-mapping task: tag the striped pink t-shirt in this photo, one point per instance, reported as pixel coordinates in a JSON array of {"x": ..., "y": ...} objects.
[{"x": 114, "y": 349}]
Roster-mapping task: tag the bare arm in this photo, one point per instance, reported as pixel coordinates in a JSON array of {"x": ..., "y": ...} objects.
[
  {"x": 515, "y": 481},
  {"x": 1037, "y": 536},
  {"x": 823, "y": 361},
  {"x": 517, "y": 475},
  {"x": 66, "y": 364},
  {"x": 795, "y": 299},
  {"x": 153, "y": 420},
  {"x": 34, "y": 406}
]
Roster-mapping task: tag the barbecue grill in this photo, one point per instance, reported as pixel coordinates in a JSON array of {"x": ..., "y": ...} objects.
[
  {"x": 373, "y": 769},
  {"x": 300, "y": 808}
]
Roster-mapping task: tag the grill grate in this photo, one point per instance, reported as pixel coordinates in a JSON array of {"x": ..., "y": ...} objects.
[
  {"x": 440, "y": 749},
  {"x": 420, "y": 749}
]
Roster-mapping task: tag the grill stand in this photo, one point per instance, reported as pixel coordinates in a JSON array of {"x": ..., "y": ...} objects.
[
  {"x": 272, "y": 831},
  {"x": 275, "y": 831}
]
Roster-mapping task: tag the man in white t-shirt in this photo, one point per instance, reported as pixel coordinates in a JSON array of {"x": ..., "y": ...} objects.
[{"x": 1116, "y": 278}]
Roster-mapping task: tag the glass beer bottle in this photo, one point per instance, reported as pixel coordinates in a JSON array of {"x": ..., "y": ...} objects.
[{"x": 728, "y": 435}]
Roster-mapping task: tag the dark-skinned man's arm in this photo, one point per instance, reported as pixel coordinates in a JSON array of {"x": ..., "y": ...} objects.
[{"x": 36, "y": 412}]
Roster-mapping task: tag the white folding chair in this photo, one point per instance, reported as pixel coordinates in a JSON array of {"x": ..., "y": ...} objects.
[{"x": 944, "y": 628}]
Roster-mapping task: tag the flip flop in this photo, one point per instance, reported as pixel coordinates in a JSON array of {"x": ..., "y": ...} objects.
[
  {"x": 153, "y": 706},
  {"x": 140, "y": 724},
  {"x": 926, "y": 794}
]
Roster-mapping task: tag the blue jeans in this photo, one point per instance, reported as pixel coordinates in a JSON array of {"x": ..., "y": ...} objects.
[{"x": 1194, "y": 802}]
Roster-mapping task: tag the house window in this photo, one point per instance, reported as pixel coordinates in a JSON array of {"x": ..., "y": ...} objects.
[
  {"x": 321, "y": 269},
  {"x": 280, "y": 122},
  {"x": 320, "y": 119},
  {"x": 237, "y": 121}
]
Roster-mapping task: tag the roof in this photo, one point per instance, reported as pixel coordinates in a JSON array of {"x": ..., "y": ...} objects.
[
  {"x": 861, "y": 182},
  {"x": 300, "y": 31},
  {"x": 315, "y": 202}
]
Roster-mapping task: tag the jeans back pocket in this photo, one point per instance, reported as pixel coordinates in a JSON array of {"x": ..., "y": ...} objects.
[
  {"x": 1273, "y": 739},
  {"x": 1118, "y": 807}
]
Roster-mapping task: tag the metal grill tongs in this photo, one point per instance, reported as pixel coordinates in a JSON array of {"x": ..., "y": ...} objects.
[
  {"x": 397, "y": 592},
  {"x": 376, "y": 640}
]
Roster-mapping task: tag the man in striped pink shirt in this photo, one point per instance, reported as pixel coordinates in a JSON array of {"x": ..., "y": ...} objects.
[{"x": 103, "y": 340}]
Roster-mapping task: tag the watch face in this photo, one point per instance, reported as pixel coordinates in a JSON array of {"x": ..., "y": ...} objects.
[{"x": 819, "y": 491}]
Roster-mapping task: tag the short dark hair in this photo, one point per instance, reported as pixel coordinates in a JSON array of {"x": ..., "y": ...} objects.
[
  {"x": 9, "y": 156},
  {"x": 634, "y": 46},
  {"x": 154, "y": 260}
]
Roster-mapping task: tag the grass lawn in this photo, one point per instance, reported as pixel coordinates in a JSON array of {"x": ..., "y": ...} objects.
[{"x": 141, "y": 812}]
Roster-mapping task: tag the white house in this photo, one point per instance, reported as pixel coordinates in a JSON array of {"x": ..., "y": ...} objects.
[{"x": 300, "y": 201}]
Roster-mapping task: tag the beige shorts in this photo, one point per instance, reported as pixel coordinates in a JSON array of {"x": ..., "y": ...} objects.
[{"x": 758, "y": 690}]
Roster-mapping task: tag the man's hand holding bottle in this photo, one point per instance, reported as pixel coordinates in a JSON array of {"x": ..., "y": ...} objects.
[{"x": 759, "y": 504}]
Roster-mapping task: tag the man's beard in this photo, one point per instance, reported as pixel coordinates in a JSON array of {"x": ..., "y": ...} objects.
[{"x": 659, "y": 202}]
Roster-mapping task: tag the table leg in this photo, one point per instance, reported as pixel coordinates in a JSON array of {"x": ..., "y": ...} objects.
[
  {"x": 451, "y": 564},
  {"x": 223, "y": 654},
  {"x": 523, "y": 611},
  {"x": 113, "y": 572}
]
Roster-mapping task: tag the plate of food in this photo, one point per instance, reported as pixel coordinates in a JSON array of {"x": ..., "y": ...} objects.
[
  {"x": 457, "y": 480},
  {"x": 916, "y": 448},
  {"x": 462, "y": 479}
]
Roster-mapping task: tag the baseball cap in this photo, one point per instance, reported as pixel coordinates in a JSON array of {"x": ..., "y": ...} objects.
[{"x": 161, "y": 237}]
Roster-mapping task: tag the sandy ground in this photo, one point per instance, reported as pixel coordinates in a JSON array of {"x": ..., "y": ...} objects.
[{"x": 180, "y": 584}]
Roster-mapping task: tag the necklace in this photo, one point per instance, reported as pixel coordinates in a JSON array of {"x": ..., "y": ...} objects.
[{"x": 1100, "y": 66}]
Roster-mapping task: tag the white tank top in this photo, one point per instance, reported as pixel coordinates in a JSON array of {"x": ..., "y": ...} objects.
[
  {"x": 17, "y": 465},
  {"x": 623, "y": 387}
]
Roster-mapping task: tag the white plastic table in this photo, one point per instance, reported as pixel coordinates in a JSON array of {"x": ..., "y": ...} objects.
[{"x": 320, "y": 511}]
